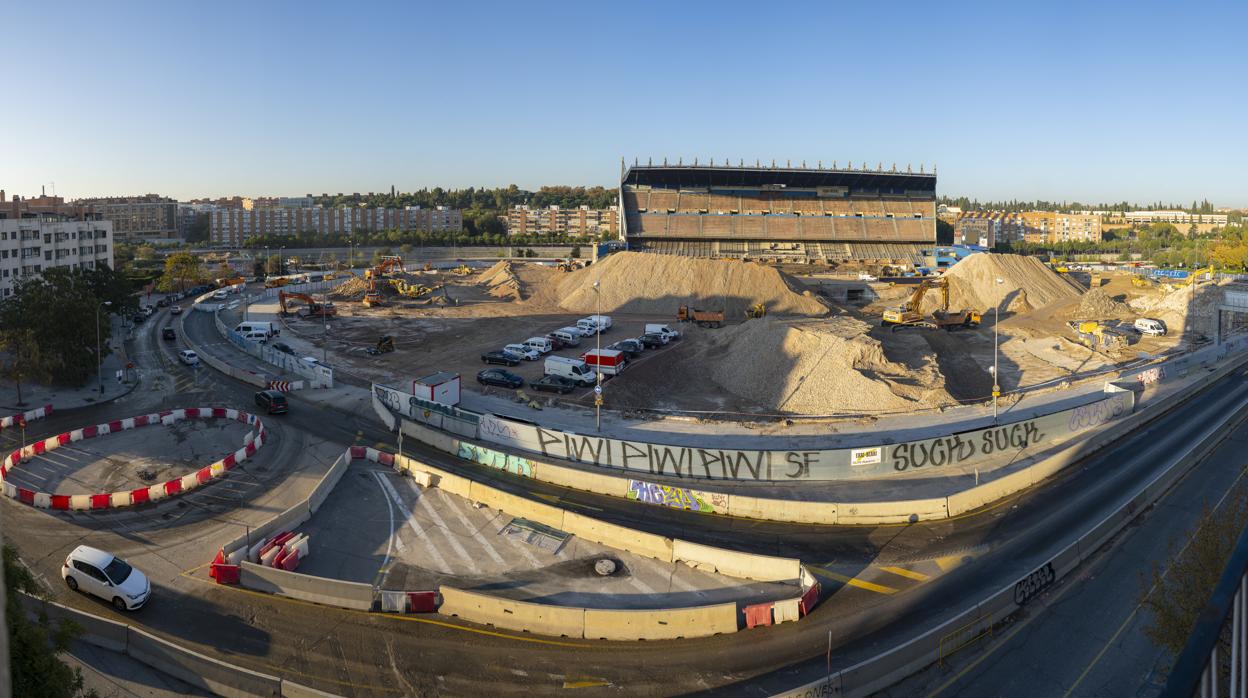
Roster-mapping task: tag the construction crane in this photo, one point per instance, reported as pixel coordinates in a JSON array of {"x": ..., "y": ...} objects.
[
  {"x": 315, "y": 309},
  {"x": 910, "y": 313}
]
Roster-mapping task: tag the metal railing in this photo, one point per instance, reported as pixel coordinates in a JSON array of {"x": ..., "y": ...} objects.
[{"x": 1201, "y": 669}]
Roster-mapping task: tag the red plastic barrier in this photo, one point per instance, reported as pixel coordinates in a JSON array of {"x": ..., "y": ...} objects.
[
  {"x": 809, "y": 599},
  {"x": 289, "y": 562},
  {"x": 204, "y": 474},
  {"x": 358, "y": 451},
  {"x": 250, "y": 449},
  {"x": 4, "y": 472},
  {"x": 229, "y": 461},
  {"x": 212, "y": 566},
  {"x": 114, "y": 426},
  {"x": 28, "y": 496},
  {"x": 281, "y": 538},
  {"x": 192, "y": 413},
  {"x": 218, "y": 412},
  {"x": 173, "y": 487},
  {"x": 422, "y": 601},
  {"x": 385, "y": 458},
  {"x": 758, "y": 614},
  {"x": 140, "y": 496},
  {"x": 38, "y": 447},
  {"x": 63, "y": 439},
  {"x": 16, "y": 456},
  {"x": 101, "y": 501},
  {"x": 141, "y": 421},
  {"x": 90, "y": 432},
  {"x": 225, "y": 574},
  {"x": 164, "y": 413},
  {"x": 60, "y": 501}
]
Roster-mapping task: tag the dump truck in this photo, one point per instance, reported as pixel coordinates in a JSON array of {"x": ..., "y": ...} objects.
[
  {"x": 1098, "y": 337},
  {"x": 703, "y": 318}
]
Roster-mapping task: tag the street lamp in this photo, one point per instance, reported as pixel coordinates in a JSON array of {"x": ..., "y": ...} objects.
[
  {"x": 598, "y": 387},
  {"x": 266, "y": 260},
  {"x": 996, "y": 375},
  {"x": 99, "y": 358}
]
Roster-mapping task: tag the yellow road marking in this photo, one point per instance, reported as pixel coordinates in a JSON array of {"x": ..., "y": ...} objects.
[
  {"x": 190, "y": 574},
  {"x": 854, "y": 582},
  {"x": 586, "y": 683},
  {"x": 949, "y": 562},
  {"x": 910, "y": 574}
]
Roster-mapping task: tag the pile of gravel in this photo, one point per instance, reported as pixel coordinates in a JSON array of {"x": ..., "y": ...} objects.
[{"x": 973, "y": 283}]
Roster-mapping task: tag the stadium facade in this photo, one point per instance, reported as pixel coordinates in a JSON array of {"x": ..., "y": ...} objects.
[{"x": 783, "y": 213}]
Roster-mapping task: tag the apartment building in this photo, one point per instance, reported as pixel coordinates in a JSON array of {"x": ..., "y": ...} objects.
[
  {"x": 30, "y": 245},
  {"x": 976, "y": 230},
  {"x": 553, "y": 220},
  {"x": 138, "y": 218},
  {"x": 1052, "y": 227},
  {"x": 1175, "y": 217},
  {"x": 230, "y": 227}
]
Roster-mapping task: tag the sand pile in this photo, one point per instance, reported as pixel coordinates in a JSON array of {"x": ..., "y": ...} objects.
[
  {"x": 972, "y": 283},
  {"x": 635, "y": 282},
  {"x": 501, "y": 282},
  {"x": 352, "y": 289},
  {"x": 1019, "y": 304},
  {"x": 1096, "y": 304},
  {"x": 825, "y": 366},
  {"x": 1195, "y": 309}
]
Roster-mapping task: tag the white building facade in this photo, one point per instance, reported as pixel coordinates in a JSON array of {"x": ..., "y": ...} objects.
[{"x": 29, "y": 246}]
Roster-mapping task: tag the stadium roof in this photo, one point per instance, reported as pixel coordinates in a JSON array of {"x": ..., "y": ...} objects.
[{"x": 705, "y": 176}]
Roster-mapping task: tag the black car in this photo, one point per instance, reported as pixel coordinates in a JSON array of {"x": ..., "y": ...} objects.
[
  {"x": 554, "y": 384},
  {"x": 500, "y": 357},
  {"x": 167, "y": 333},
  {"x": 651, "y": 341},
  {"x": 631, "y": 348},
  {"x": 283, "y": 347},
  {"x": 500, "y": 378},
  {"x": 162, "y": 303},
  {"x": 272, "y": 402}
]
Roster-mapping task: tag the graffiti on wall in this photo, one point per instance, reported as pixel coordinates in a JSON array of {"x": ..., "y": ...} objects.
[
  {"x": 1153, "y": 375},
  {"x": 515, "y": 465},
  {"x": 678, "y": 497}
]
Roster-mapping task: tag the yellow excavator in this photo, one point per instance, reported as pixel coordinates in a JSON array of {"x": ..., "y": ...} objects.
[
  {"x": 756, "y": 311},
  {"x": 1099, "y": 337},
  {"x": 910, "y": 313}
]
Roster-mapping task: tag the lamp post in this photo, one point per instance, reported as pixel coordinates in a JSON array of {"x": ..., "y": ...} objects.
[
  {"x": 598, "y": 387},
  {"x": 281, "y": 260},
  {"x": 266, "y": 260},
  {"x": 99, "y": 358},
  {"x": 996, "y": 375}
]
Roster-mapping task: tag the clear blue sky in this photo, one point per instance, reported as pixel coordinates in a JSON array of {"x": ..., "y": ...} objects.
[{"x": 1090, "y": 101}]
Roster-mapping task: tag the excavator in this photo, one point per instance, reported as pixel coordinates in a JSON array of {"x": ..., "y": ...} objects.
[
  {"x": 315, "y": 309},
  {"x": 372, "y": 296},
  {"x": 910, "y": 314},
  {"x": 1099, "y": 337},
  {"x": 411, "y": 290},
  {"x": 756, "y": 311}
]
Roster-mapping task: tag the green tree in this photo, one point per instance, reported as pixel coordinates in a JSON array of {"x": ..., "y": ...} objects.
[
  {"x": 37, "y": 670},
  {"x": 576, "y": 252},
  {"x": 182, "y": 269},
  {"x": 944, "y": 233},
  {"x": 273, "y": 264},
  {"x": 21, "y": 359},
  {"x": 67, "y": 345}
]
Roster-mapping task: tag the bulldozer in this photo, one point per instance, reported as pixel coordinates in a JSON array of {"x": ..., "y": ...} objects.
[
  {"x": 385, "y": 345},
  {"x": 570, "y": 264},
  {"x": 1098, "y": 337},
  {"x": 411, "y": 290},
  {"x": 910, "y": 313},
  {"x": 1141, "y": 281},
  {"x": 756, "y": 311},
  {"x": 462, "y": 270}
]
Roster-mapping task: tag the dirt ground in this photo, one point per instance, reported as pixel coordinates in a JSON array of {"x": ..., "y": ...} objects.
[{"x": 838, "y": 362}]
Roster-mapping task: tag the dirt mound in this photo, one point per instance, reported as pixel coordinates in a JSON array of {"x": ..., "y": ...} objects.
[
  {"x": 823, "y": 366},
  {"x": 1020, "y": 304},
  {"x": 352, "y": 289},
  {"x": 1099, "y": 305},
  {"x": 1193, "y": 309},
  {"x": 635, "y": 282},
  {"x": 973, "y": 283},
  {"x": 501, "y": 281}
]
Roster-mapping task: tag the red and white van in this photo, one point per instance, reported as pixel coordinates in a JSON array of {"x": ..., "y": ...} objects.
[{"x": 608, "y": 362}]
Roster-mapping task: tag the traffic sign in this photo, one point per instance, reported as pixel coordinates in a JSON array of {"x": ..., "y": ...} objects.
[{"x": 597, "y": 390}]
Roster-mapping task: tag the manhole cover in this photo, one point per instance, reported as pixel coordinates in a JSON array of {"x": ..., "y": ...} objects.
[{"x": 605, "y": 567}]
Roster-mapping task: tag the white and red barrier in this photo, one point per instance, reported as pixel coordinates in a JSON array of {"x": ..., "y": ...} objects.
[
  {"x": 283, "y": 552},
  {"x": 17, "y": 419},
  {"x": 109, "y": 500}
]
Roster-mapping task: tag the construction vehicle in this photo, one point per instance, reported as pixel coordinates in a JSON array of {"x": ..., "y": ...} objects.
[
  {"x": 230, "y": 281},
  {"x": 1098, "y": 337},
  {"x": 704, "y": 318},
  {"x": 315, "y": 308},
  {"x": 1141, "y": 281},
  {"x": 570, "y": 264},
  {"x": 411, "y": 290},
  {"x": 910, "y": 313},
  {"x": 756, "y": 311},
  {"x": 276, "y": 283},
  {"x": 1195, "y": 277},
  {"x": 385, "y": 345},
  {"x": 372, "y": 297},
  {"x": 461, "y": 270}
]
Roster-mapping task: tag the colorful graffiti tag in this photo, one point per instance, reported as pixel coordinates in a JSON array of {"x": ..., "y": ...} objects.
[
  {"x": 678, "y": 497},
  {"x": 503, "y": 461}
]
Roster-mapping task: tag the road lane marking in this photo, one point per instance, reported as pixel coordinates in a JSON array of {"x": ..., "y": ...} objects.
[
  {"x": 393, "y": 534},
  {"x": 484, "y": 540},
  {"x": 854, "y": 581},
  {"x": 903, "y": 572},
  {"x": 432, "y": 511},
  {"x": 949, "y": 562},
  {"x": 421, "y": 536}
]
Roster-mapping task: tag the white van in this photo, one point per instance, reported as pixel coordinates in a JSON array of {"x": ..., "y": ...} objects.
[
  {"x": 257, "y": 336},
  {"x": 666, "y": 332},
  {"x": 1150, "y": 326},
  {"x": 568, "y": 335},
  {"x": 265, "y": 327},
  {"x": 594, "y": 324},
  {"x": 574, "y": 369},
  {"x": 541, "y": 345}
]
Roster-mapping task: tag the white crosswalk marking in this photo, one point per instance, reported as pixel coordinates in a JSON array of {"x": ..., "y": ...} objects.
[
  {"x": 432, "y": 510},
  {"x": 484, "y": 540},
  {"x": 423, "y": 538}
]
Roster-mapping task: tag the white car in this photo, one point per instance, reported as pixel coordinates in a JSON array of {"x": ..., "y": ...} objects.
[
  {"x": 221, "y": 295},
  {"x": 523, "y": 352},
  {"x": 107, "y": 576},
  {"x": 175, "y": 310},
  {"x": 188, "y": 357}
]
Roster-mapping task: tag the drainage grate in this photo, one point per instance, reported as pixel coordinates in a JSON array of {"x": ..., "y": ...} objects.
[{"x": 535, "y": 534}]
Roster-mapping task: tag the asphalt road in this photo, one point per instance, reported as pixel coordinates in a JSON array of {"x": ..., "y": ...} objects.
[{"x": 363, "y": 654}]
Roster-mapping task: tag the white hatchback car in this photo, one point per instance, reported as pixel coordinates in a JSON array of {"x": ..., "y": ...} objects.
[
  {"x": 188, "y": 357},
  {"x": 107, "y": 576},
  {"x": 523, "y": 352}
]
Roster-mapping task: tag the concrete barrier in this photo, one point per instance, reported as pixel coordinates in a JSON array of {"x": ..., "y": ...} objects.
[
  {"x": 619, "y": 537},
  {"x": 199, "y": 670},
  {"x": 660, "y": 624},
  {"x": 513, "y": 615},
  {"x": 321, "y": 492},
  {"x": 322, "y": 590},
  {"x": 763, "y": 568},
  {"x": 517, "y": 506},
  {"x": 795, "y": 511},
  {"x": 97, "y": 631},
  {"x": 584, "y": 480},
  {"x": 432, "y": 437},
  {"x": 897, "y": 511}
]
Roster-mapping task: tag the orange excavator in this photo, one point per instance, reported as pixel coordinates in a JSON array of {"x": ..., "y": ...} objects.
[
  {"x": 372, "y": 296},
  {"x": 315, "y": 308}
]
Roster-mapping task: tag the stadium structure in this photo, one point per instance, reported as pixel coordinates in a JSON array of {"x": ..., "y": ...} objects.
[{"x": 785, "y": 213}]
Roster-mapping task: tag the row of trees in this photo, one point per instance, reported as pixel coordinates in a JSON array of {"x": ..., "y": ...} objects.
[
  {"x": 1160, "y": 243},
  {"x": 1015, "y": 206},
  {"x": 46, "y": 326},
  {"x": 375, "y": 238},
  {"x": 486, "y": 199}
]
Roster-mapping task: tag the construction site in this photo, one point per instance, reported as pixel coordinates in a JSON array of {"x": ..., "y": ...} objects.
[{"x": 806, "y": 344}]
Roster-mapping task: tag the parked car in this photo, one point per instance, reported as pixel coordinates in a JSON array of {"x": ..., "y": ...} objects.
[
  {"x": 167, "y": 333},
  {"x": 556, "y": 343},
  {"x": 500, "y": 357},
  {"x": 175, "y": 310},
  {"x": 1150, "y": 326},
  {"x": 652, "y": 341},
  {"x": 107, "y": 576},
  {"x": 523, "y": 352},
  {"x": 554, "y": 384},
  {"x": 499, "y": 377},
  {"x": 631, "y": 347},
  {"x": 284, "y": 348},
  {"x": 221, "y": 295},
  {"x": 188, "y": 357},
  {"x": 272, "y": 401},
  {"x": 162, "y": 303}
]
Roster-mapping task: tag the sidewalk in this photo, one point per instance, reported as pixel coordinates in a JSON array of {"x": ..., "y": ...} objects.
[{"x": 68, "y": 397}]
